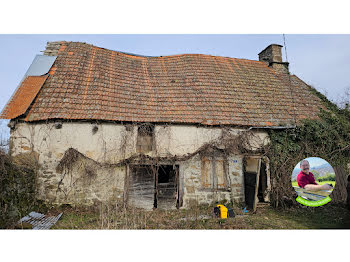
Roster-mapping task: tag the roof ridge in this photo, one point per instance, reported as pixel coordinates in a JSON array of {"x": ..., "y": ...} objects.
[{"x": 162, "y": 56}]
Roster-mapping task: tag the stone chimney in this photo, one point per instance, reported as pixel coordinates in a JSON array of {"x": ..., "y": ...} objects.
[{"x": 272, "y": 56}]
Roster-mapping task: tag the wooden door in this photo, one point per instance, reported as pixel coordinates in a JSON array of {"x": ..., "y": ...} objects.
[{"x": 141, "y": 187}]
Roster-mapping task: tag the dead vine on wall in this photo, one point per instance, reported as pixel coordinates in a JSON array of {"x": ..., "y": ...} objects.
[
  {"x": 226, "y": 144},
  {"x": 66, "y": 165}
]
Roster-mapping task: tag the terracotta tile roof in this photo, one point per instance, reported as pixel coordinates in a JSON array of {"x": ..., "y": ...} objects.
[
  {"x": 307, "y": 104},
  {"x": 23, "y": 97},
  {"x": 87, "y": 82}
]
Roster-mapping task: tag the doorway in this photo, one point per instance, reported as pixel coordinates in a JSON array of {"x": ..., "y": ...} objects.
[
  {"x": 255, "y": 181},
  {"x": 153, "y": 186}
]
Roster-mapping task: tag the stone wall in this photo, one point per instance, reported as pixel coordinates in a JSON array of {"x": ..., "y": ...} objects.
[
  {"x": 195, "y": 193},
  {"x": 95, "y": 177},
  {"x": 272, "y": 56}
]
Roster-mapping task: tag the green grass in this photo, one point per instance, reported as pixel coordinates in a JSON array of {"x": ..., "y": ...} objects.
[
  {"x": 294, "y": 183},
  {"x": 324, "y": 217},
  {"x": 328, "y": 216}
]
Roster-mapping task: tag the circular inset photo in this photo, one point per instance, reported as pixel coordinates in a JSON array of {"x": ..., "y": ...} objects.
[{"x": 313, "y": 179}]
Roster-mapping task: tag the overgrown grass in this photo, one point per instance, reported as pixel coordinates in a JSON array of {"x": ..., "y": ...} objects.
[
  {"x": 107, "y": 217},
  {"x": 103, "y": 217}
]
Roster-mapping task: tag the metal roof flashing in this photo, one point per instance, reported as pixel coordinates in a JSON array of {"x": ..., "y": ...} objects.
[{"x": 41, "y": 65}]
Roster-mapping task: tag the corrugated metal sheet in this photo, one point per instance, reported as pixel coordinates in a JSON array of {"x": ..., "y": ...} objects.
[
  {"x": 40, "y": 65},
  {"x": 40, "y": 221},
  {"x": 23, "y": 97}
]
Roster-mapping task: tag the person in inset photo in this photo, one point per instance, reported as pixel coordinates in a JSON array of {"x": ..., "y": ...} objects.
[{"x": 306, "y": 179}]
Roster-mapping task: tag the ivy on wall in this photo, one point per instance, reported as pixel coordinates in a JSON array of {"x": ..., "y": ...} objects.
[{"x": 327, "y": 137}]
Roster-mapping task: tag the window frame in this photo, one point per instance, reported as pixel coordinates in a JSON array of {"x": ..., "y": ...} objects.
[{"x": 212, "y": 161}]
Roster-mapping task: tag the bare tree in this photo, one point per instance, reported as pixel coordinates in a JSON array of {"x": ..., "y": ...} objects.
[
  {"x": 4, "y": 135},
  {"x": 343, "y": 101}
]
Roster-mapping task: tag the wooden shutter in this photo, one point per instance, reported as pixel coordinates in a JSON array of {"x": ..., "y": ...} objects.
[
  {"x": 220, "y": 173},
  {"x": 206, "y": 172},
  {"x": 141, "y": 187}
]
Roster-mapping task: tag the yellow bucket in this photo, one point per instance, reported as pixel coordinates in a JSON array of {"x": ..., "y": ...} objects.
[{"x": 223, "y": 211}]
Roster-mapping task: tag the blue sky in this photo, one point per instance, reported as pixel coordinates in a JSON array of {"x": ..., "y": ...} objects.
[
  {"x": 320, "y": 60},
  {"x": 314, "y": 162}
]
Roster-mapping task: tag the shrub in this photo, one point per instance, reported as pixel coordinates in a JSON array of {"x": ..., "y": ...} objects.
[
  {"x": 17, "y": 188},
  {"x": 328, "y": 177}
]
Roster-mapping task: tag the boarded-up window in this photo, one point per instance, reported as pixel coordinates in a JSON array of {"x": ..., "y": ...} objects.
[
  {"x": 144, "y": 138},
  {"x": 206, "y": 173},
  {"x": 214, "y": 172},
  {"x": 220, "y": 173}
]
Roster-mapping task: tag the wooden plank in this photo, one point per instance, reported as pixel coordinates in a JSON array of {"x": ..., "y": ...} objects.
[
  {"x": 180, "y": 186},
  {"x": 206, "y": 171},
  {"x": 141, "y": 187},
  {"x": 220, "y": 173},
  {"x": 257, "y": 185}
]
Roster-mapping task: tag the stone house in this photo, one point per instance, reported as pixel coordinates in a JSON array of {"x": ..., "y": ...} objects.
[{"x": 153, "y": 132}]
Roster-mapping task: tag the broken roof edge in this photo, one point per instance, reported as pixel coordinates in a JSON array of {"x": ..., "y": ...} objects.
[{"x": 146, "y": 56}]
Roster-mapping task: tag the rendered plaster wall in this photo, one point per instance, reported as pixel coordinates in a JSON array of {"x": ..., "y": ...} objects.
[
  {"x": 78, "y": 186},
  {"x": 109, "y": 144},
  {"x": 180, "y": 139},
  {"x": 112, "y": 142}
]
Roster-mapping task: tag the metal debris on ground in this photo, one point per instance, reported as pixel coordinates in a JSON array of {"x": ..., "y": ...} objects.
[{"x": 40, "y": 221}]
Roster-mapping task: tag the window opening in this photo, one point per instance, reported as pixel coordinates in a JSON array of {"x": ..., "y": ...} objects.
[{"x": 145, "y": 138}]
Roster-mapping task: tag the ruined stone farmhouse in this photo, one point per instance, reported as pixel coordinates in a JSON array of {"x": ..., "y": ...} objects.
[{"x": 153, "y": 132}]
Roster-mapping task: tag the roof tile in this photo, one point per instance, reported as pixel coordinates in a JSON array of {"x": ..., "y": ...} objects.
[
  {"x": 87, "y": 82},
  {"x": 23, "y": 97}
]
